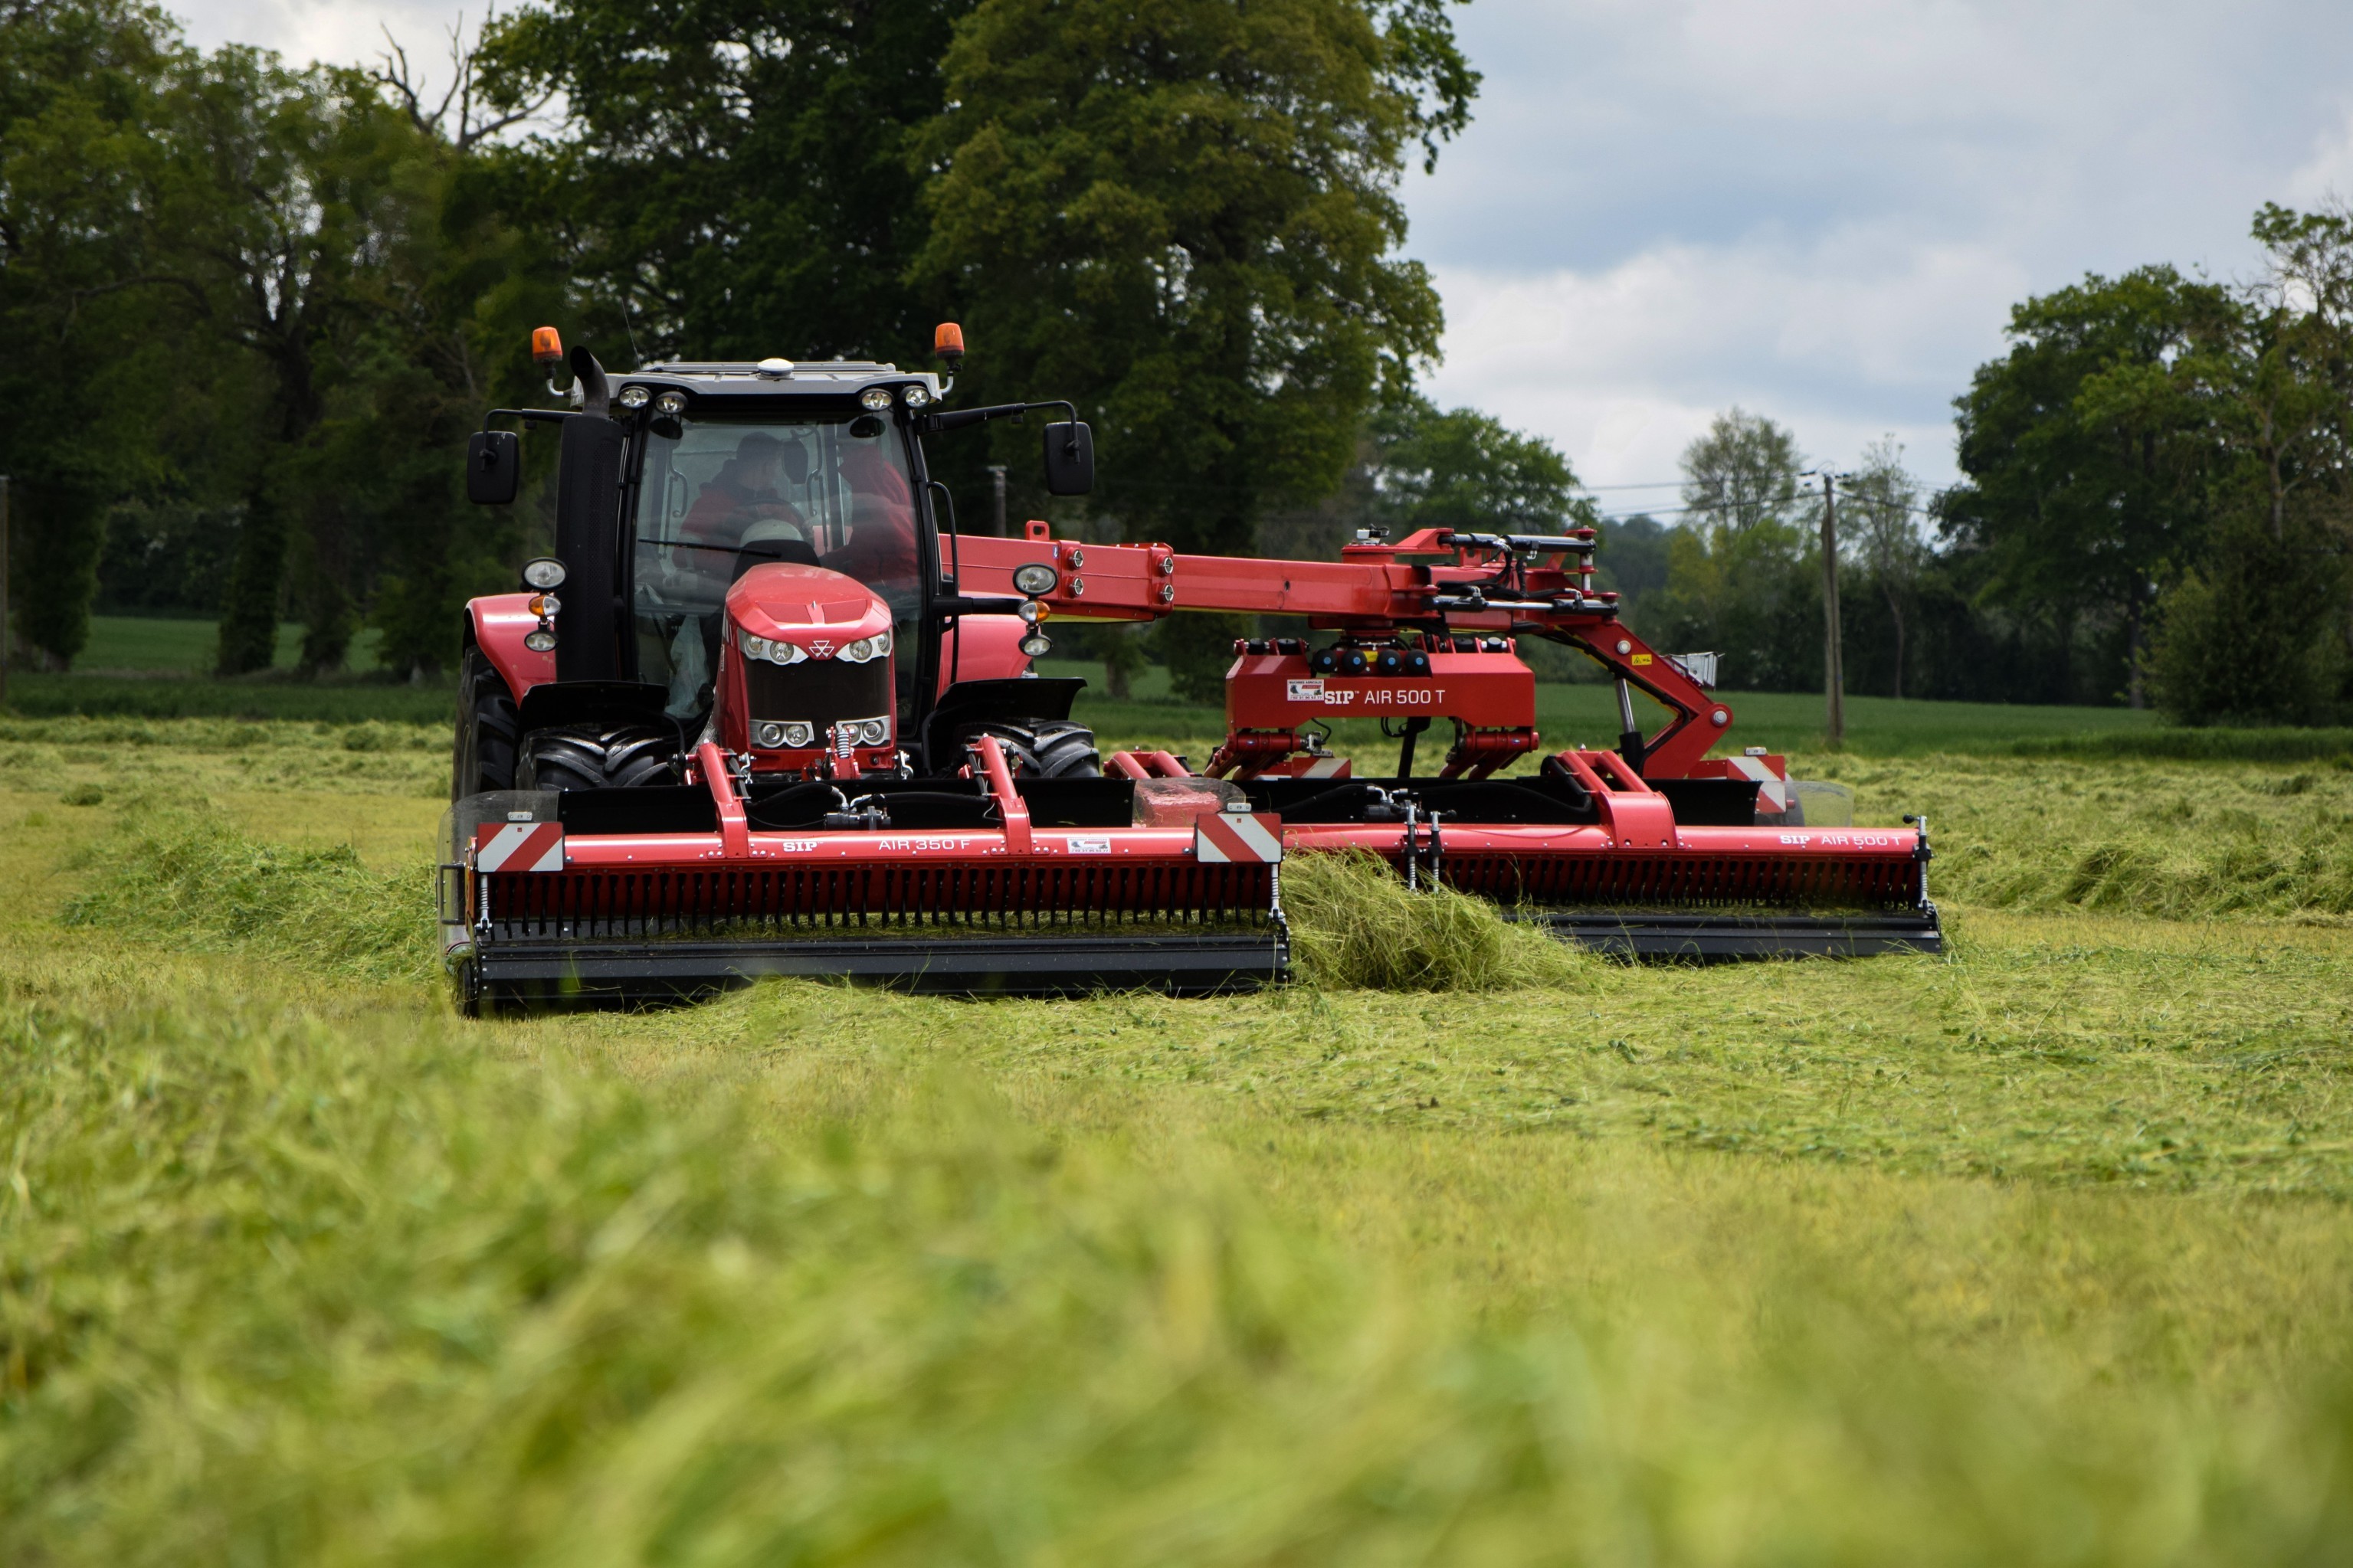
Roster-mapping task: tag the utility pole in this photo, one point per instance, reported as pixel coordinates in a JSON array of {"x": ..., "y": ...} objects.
[
  {"x": 997, "y": 475},
  {"x": 1833, "y": 665}
]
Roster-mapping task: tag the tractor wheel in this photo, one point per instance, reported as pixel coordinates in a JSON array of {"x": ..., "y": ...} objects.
[
  {"x": 482, "y": 755},
  {"x": 597, "y": 756},
  {"x": 1051, "y": 749}
]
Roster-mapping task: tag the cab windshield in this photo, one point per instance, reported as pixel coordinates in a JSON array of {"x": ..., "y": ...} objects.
[{"x": 725, "y": 497}]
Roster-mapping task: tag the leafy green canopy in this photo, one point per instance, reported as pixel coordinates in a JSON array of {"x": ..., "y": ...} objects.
[
  {"x": 1742, "y": 575},
  {"x": 1464, "y": 470},
  {"x": 251, "y": 300},
  {"x": 2081, "y": 451},
  {"x": 77, "y": 127},
  {"x": 2166, "y": 461},
  {"x": 1183, "y": 215},
  {"x": 732, "y": 181}
]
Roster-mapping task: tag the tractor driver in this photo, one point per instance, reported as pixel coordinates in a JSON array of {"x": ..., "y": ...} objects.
[{"x": 744, "y": 500}]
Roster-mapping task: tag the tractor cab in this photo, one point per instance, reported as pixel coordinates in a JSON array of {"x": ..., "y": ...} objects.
[
  {"x": 750, "y": 553},
  {"x": 721, "y": 498}
]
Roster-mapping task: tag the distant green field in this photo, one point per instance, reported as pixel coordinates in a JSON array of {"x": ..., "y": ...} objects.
[
  {"x": 151, "y": 697},
  {"x": 149, "y": 667},
  {"x": 151, "y": 644}
]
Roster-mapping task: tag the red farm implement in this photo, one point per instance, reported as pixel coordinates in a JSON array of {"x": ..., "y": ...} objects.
[{"x": 764, "y": 711}]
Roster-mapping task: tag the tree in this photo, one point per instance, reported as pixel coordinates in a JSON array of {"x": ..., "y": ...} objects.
[
  {"x": 2085, "y": 454},
  {"x": 2257, "y": 628},
  {"x": 285, "y": 199},
  {"x": 733, "y": 179},
  {"x": 1634, "y": 562},
  {"x": 1882, "y": 532},
  {"x": 84, "y": 373},
  {"x": 1464, "y": 470},
  {"x": 1184, "y": 216},
  {"x": 1736, "y": 574},
  {"x": 1741, "y": 477}
]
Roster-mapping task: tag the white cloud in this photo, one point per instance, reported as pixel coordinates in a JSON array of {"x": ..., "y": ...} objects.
[
  {"x": 2328, "y": 175},
  {"x": 335, "y": 32},
  {"x": 1854, "y": 337},
  {"x": 1823, "y": 209}
]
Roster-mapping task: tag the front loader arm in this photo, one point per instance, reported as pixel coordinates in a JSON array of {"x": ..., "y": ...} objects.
[{"x": 1432, "y": 579}]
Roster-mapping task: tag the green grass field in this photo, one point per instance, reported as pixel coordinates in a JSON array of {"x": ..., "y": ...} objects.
[
  {"x": 151, "y": 668},
  {"x": 153, "y": 645},
  {"x": 2039, "y": 1253}
]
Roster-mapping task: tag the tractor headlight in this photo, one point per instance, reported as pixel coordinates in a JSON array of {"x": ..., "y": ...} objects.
[
  {"x": 1033, "y": 612},
  {"x": 874, "y": 399},
  {"x": 636, "y": 396},
  {"x": 540, "y": 641},
  {"x": 771, "y": 734},
  {"x": 672, "y": 403},
  {"x": 776, "y": 650},
  {"x": 544, "y": 604},
  {"x": 545, "y": 573},
  {"x": 1037, "y": 644},
  {"x": 916, "y": 396},
  {"x": 874, "y": 733},
  {"x": 1036, "y": 578},
  {"x": 866, "y": 649},
  {"x": 798, "y": 734}
]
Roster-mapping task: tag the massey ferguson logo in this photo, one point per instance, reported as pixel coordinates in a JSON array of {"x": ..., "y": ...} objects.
[{"x": 820, "y": 648}]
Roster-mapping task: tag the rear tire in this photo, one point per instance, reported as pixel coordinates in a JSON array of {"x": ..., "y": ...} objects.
[
  {"x": 1051, "y": 749},
  {"x": 482, "y": 754},
  {"x": 597, "y": 756}
]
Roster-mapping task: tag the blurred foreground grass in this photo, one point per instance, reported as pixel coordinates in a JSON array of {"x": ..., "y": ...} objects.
[{"x": 2040, "y": 1254}]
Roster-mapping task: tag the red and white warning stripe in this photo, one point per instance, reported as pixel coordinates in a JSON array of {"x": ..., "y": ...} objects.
[
  {"x": 1235, "y": 837},
  {"x": 519, "y": 846},
  {"x": 1773, "y": 792},
  {"x": 1325, "y": 768}
]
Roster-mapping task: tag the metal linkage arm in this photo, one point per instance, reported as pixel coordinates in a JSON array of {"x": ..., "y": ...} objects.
[{"x": 1374, "y": 589}]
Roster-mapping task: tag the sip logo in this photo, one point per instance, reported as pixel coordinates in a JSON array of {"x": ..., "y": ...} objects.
[{"x": 1303, "y": 691}]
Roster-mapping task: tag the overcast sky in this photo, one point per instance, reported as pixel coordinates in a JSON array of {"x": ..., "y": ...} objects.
[{"x": 1821, "y": 211}]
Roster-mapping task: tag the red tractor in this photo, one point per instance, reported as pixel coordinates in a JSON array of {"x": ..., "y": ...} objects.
[{"x": 765, "y": 711}]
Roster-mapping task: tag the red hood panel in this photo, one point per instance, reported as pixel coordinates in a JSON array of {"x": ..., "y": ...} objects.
[{"x": 782, "y": 599}]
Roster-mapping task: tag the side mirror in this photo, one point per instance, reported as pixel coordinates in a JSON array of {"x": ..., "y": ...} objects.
[
  {"x": 1070, "y": 458},
  {"x": 493, "y": 467}
]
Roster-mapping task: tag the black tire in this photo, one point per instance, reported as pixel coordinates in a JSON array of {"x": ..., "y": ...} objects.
[
  {"x": 597, "y": 756},
  {"x": 482, "y": 755},
  {"x": 1050, "y": 749}
]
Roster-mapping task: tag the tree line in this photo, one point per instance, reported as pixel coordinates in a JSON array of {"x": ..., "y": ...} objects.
[
  {"x": 250, "y": 309},
  {"x": 2155, "y": 508}
]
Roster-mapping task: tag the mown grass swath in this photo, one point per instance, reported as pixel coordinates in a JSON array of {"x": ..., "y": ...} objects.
[
  {"x": 177, "y": 868},
  {"x": 1354, "y": 924}
]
